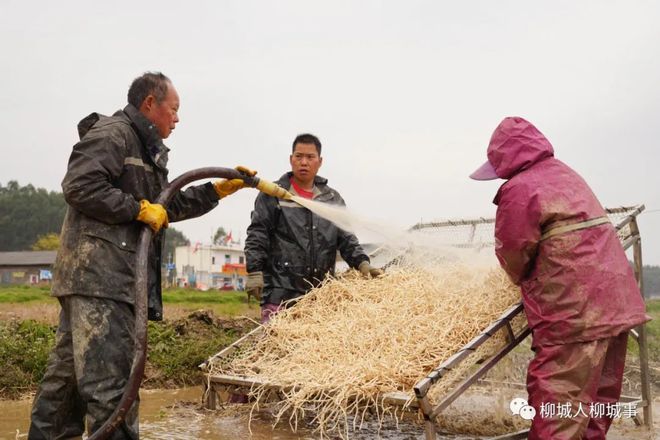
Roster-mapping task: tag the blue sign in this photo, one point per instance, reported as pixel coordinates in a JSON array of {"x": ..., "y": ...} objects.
[
  {"x": 45, "y": 274},
  {"x": 171, "y": 266}
]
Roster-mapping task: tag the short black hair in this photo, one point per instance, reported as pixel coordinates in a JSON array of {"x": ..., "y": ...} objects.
[
  {"x": 307, "y": 138},
  {"x": 149, "y": 83}
]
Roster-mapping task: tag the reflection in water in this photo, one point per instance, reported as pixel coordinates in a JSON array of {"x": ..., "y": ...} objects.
[
  {"x": 177, "y": 414},
  {"x": 165, "y": 414}
]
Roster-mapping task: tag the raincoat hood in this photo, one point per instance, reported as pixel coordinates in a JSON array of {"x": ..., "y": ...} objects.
[{"x": 516, "y": 145}]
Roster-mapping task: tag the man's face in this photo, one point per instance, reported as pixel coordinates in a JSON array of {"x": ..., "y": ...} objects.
[
  {"x": 305, "y": 162},
  {"x": 164, "y": 115}
]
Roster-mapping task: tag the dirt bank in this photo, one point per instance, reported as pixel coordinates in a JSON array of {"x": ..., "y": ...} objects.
[{"x": 176, "y": 347}]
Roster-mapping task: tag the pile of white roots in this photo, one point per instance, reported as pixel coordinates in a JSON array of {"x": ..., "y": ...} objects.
[{"x": 346, "y": 343}]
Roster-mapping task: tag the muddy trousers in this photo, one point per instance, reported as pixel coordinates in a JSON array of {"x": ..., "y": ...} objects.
[
  {"x": 86, "y": 371},
  {"x": 580, "y": 374}
]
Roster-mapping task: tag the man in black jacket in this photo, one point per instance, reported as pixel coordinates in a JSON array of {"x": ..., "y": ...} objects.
[
  {"x": 116, "y": 170},
  {"x": 289, "y": 249}
]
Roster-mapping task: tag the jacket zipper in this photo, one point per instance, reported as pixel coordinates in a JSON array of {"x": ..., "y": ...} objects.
[{"x": 312, "y": 256}]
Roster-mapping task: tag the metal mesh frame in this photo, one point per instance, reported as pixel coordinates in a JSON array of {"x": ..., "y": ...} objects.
[{"x": 479, "y": 233}]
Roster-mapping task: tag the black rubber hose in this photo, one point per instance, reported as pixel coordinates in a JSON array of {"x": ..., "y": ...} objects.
[{"x": 141, "y": 294}]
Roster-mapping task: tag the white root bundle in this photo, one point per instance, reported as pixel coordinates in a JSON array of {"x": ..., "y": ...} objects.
[{"x": 352, "y": 339}]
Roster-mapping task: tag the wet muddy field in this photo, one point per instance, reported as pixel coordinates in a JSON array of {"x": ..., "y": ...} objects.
[{"x": 178, "y": 414}]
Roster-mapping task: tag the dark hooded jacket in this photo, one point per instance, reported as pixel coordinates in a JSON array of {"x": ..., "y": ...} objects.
[
  {"x": 576, "y": 286},
  {"x": 119, "y": 161},
  {"x": 294, "y": 248}
]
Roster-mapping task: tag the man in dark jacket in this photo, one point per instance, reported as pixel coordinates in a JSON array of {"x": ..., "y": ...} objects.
[
  {"x": 290, "y": 250},
  {"x": 554, "y": 240},
  {"x": 114, "y": 172}
]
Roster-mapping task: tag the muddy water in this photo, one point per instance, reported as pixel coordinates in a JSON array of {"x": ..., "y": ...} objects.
[
  {"x": 177, "y": 414},
  {"x": 164, "y": 414}
]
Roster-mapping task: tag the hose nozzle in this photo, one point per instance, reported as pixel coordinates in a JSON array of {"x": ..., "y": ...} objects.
[{"x": 272, "y": 189}]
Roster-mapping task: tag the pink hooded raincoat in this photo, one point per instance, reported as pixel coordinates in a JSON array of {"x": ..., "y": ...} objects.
[
  {"x": 578, "y": 289},
  {"x": 577, "y": 286}
]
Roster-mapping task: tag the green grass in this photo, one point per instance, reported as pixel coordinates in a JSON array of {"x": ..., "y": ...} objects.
[
  {"x": 653, "y": 309},
  {"x": 23, "y": 294},
  {"x": 24, "y": 349},
  {"x": 223, "y": 302},
  {"x": 653, "y": 329},
  {"x": 175, "y": 350},
  {"x": 183, "y": 296},
  {"x": 15, "y": 294}
]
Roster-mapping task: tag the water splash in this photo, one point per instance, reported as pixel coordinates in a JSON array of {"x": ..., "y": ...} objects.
[
  {"x": 351, "y": 222},
  {"x": 392, "y": 241}
]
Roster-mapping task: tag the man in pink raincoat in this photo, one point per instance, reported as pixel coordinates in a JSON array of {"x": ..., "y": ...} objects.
[{"x": 554, "y": 240}]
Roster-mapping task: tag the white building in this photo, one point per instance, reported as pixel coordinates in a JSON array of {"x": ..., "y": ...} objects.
[{"x": 210, "y": 266}]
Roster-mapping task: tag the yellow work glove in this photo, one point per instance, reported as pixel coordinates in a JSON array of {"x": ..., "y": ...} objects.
[
  {"x": 368, "y": 271},
  {"x": 152, "y": 214},
  {"x": 226, "y": 187},
  {"x": 254, "y": 285}
]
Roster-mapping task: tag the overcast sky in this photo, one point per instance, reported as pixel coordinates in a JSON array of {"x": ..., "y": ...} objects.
[{"x": 404, "y": 95}]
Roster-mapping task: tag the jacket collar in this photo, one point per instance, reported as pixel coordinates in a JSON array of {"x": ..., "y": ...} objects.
[
  {"x": 148, "y": 134},
  {"x": 285, "y": 181}
]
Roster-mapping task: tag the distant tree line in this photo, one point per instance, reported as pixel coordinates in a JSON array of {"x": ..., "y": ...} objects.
[
  {"x": 652, "y": 280},
  {"x": 173, "y": 238},
  {"x": 27, "y": 213},
  {"x": 31, "y": 219}
]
